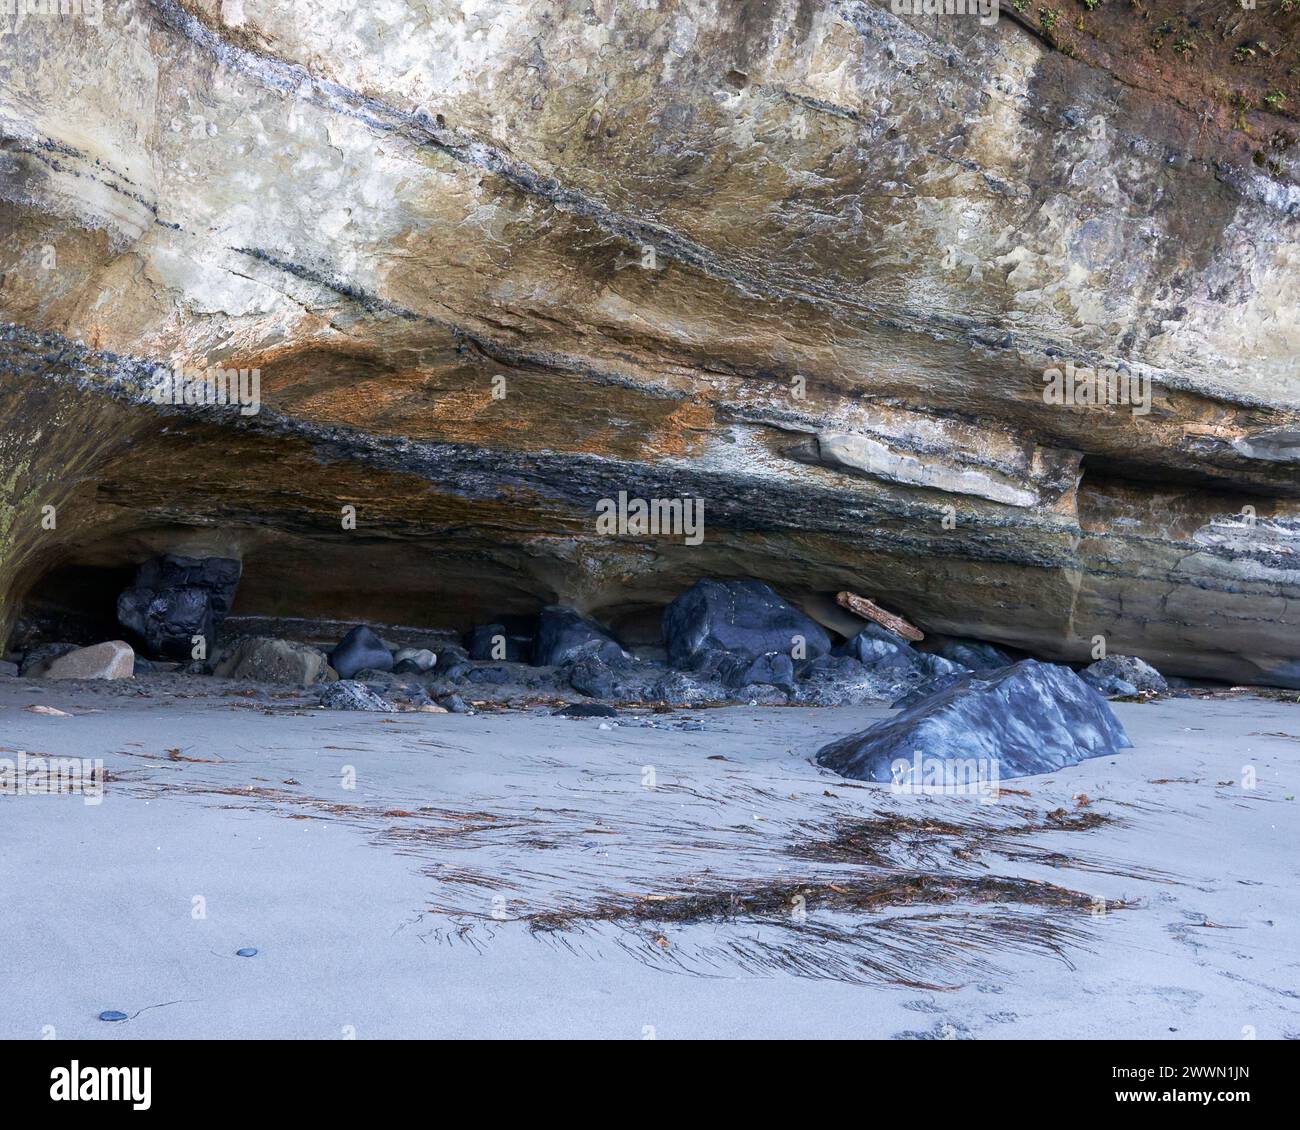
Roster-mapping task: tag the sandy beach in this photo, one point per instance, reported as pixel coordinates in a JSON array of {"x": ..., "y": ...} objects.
[{"x": 681, "y": 874}]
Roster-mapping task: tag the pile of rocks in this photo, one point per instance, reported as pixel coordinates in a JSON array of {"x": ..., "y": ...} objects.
[{"x": 723, "y": 641}]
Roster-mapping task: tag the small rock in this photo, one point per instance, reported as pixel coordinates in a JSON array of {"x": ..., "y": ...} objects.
[
  {"x": 678, "y": 688},
  {"x": 348, "y": 695},
  {"x": 247, "y": 951},
  {"x": 359, "y": 650},
  {"x": 841, "y": 680},
  {"x": 413, "y": 661},
  {"x": 111, "y": 660},
  {"x": 774, "y": 669},
  {"x": 454, "y": 704},
  {"x": 49, "y": 710},
  {"x": 622, "y": 680},
  {"x": 1123, "y": 675},
  {"x": 455, "y": 670},
  {"x": 112, "y": 1016},
  {"x": 592, "y": 676},
  {"x": 1109, "y": 685}
]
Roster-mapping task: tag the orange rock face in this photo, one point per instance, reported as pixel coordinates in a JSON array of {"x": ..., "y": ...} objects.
[{"x": 850, "y": 279}]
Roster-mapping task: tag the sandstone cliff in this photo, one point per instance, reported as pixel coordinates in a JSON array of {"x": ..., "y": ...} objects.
[{"x": 806, "y": 261}]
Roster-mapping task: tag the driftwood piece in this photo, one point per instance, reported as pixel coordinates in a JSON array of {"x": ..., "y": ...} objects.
[{"x": 861, "y": 606}]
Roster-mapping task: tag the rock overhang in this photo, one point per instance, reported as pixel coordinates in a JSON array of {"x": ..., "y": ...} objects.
[{"x": 911, "y": 279}]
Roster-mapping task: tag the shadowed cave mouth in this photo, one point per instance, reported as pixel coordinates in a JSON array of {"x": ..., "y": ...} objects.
[
  {"x": 316, "y": 596},
  {"x": 314, "y": 590}
]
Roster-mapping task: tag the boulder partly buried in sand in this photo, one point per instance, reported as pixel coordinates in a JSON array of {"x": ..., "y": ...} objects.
[
  {"x": 264, "y": 660},
  {"x": 743, "y": 617},
  {"x": 111, "y": 660},
  {"x": 1031, "y": 717}
]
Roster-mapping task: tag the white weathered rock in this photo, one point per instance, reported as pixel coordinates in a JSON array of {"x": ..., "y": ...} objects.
[
  {"x": 422, "y": 657},
  {"x": 112, "y": 660}
]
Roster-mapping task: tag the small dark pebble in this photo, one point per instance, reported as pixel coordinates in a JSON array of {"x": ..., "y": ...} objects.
[
  {"x": 247, "y": 951},
  {"x": 112, "y": 1015}
]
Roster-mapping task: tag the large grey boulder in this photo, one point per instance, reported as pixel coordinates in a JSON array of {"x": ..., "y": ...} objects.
[
  {"x": 112, "y": 660},
  {"x": 1028, "y": 718},
  {"x": 745, "y": 617},
  {"x": 264, "y": 660},
  {"x": 175, "y": 599}
]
